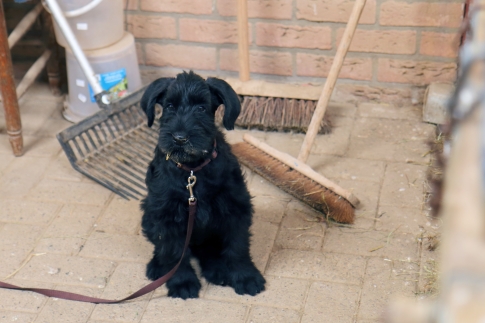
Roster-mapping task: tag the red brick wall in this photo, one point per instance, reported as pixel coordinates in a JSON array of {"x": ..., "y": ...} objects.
[{"x": 399, "y": 46}]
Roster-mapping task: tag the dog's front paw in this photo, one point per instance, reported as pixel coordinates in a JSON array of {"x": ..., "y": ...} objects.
[
  {"x": 154, "y": 270},
  {"x": 248, "y": 282},
  {"x": 185, "y": 289}
]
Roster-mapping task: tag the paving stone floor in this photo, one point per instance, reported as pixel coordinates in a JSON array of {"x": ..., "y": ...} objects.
[{"x": 60, "y": 230}]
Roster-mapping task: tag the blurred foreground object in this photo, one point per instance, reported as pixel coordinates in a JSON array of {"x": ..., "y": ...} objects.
[{"x": 462, "y": 278}]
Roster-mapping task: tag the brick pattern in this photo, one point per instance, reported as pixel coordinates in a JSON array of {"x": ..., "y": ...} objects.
[
  {"x": 278, "y": 35},
  {"x": 382, "y": 41},
  {"x": 202, "y": 7},
  {"x": 415, "y": 72},
  {"x": 208, "y": 31},
  {"x": 151, "y": 26},
  {"x": 333, "y": 11},
  {"x": 439, "y": 44},
  {"x": 397, "y": 45},
  {"x": 269, "y": 9},
  {"x": 262, "y": 62},
  {"x": 319, "y": 66},
  {"x": 436, "y": 14}
]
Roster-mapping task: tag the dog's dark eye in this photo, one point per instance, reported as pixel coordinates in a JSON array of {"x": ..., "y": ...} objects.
[
  {"x": 201, "y": 109},
  {"x": 169, "y": 106}
]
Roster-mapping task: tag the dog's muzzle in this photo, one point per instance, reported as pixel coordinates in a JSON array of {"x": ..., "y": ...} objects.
[{"x": 180, "y": 138}]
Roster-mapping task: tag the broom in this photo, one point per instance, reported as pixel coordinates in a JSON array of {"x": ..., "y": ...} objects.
[
  {"x": 265, "y": 107},
  {"x": 292, "y": 174}
]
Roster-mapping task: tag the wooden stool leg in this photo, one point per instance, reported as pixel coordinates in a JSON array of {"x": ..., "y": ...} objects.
[
  {"x": 53, "y": 65},
  {"x": 7, "y": 85}
]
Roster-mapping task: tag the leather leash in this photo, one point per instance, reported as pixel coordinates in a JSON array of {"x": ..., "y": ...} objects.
[{"x": 153, "y": 285}]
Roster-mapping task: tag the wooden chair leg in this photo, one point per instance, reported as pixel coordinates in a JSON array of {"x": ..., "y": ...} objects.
[{"x": 7, "y": 86}]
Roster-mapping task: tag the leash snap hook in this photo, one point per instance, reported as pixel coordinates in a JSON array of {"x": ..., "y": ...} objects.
[{"x": 191, "y": 182}]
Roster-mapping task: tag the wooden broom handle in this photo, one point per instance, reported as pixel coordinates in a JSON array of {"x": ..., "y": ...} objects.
[
  {"x": 243, "y": 39},
  {"x": 331, "y": 80}
]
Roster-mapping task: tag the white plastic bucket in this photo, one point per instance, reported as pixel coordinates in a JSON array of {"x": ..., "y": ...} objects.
[
  {"x": 100, "y": 26},
  {"x": 116, "y": 67}
]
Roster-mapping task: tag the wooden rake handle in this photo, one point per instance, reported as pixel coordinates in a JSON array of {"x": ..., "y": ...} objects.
[{"x": 331, "y": 80}]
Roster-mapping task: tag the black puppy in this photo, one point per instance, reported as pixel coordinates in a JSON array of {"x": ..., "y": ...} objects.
[{"x": 188, "y": 139}]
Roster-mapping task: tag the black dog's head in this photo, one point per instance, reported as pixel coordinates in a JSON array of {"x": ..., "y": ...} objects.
[{"x": 187, "y": 127}]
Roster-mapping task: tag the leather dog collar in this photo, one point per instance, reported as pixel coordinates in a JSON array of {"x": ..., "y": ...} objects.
[{"x": 204, "y": 163}]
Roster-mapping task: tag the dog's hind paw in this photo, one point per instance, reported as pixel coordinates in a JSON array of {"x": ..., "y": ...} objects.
[
  {"x": 216, "y": 274},
  {"x": 248, "y": 283},
  {"x": 184, "y": 290}
]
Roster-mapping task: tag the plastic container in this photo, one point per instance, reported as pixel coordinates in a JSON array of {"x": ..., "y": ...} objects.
[
  {"x": 117, "y": 69},
  {"x": 101, "y": 26}
]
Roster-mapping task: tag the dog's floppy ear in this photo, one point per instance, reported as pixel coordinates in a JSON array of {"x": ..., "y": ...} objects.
[
  {"x": 154, "y": 92},
  {"x": 227, "y": 96}
]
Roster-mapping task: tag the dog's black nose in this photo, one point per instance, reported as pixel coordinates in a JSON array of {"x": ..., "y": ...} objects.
[{"x": 179, "y": 138}]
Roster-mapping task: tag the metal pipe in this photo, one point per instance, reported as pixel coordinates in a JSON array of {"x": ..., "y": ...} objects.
[{"x": 74, "y": 45}]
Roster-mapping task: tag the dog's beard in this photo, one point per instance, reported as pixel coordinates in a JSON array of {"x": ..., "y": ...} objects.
[{"x": 184, "y": 154}]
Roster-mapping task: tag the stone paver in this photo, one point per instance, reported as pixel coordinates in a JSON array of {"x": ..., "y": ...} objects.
[
  {"x": 70, "y": 192},
  {"x": 383, "y": 280},
  {"x": 61, "y": 245},
  {"x": 331, "y": 302},
  {"x": 121, "y": 217},
  {"x": 61, "y": 169},
  {"x": 40, "y": 146},
  {"x": 166, "y": 309},
  {"x": 347, "y": 168},
  {"x": 261, "y": 314},
  {"x": 290, "y": 146},
  {"x": 17, "y": 240},
  {"x": 73, "y": 221},
  {"x": 403, "y": 185},
  {"x": 59, "y": 269},
  {"x": 117, "y": 247},
  {"x": 301, "y": 232},
  {"x": 280, "y": 292},
  {"x": 59, "y": 229},
  {"x": 269, "y": 208},
  {"x": 262, "y": 239},
  {"x": 258, "y": 186},
  {"x": 64, "y": 311},
  {"x": 21, "y": 176},
  {"x": 392, "y": 140},
  {"x": 13, "y": 300},
  {"x": 366, "y": 192},
  {"x": 27, "y": 212},
  {"x": 332, "y": 267},
  {"x": 389, "y": 111},
  {"x": 391, "y": 244},
  {"x": 5, "y": 160},
  {"x": 126, "y": 279},
  {"x": 402, "y": 219},
  {"x": 7, "y": 317},
  {"x": 337, "y": 141}
]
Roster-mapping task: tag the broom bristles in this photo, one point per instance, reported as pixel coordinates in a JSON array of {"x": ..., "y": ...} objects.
[
  {"x": 293, "y": 182},
  {"x": 276, "y": 114}
]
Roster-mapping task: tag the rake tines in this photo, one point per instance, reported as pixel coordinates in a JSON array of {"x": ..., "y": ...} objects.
[{"x": 113, "y": 147}]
